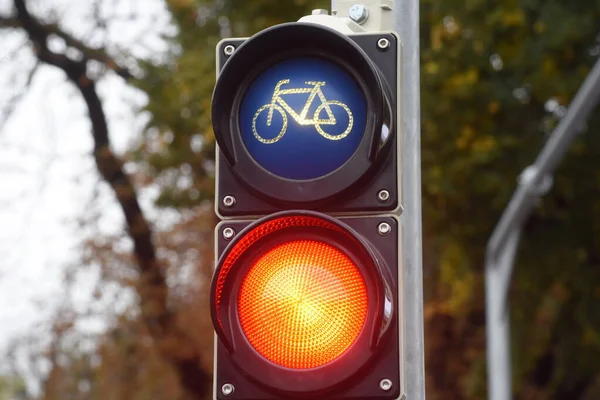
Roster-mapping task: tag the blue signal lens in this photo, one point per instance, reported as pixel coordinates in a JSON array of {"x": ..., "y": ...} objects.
[{"x": 303, "y": 118}]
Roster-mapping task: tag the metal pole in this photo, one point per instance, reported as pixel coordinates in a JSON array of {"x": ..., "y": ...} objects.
[
  {"x": 535, "y": 182},
  {"x": 553, "y": 152},
  {"x": 498, "y": 321},
  {"x": 406, "y": 23}
]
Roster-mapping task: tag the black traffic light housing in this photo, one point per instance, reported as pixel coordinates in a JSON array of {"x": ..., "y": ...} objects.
[
  {"x": 368, "y": 182},
  {"x": 255, "y": 382},
  {"x": 364, "y": 193}
]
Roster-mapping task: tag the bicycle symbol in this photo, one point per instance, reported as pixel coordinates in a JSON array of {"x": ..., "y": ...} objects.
[{"x": 282, "y": 107}]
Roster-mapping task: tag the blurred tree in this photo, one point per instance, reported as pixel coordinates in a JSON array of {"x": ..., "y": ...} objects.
[
  {"x": 496, "y": 78},
  {"x": 171, "y": 339},
  {"x": 125, "y": 361},
  {"x": 12, "y": 388},
  {"x": 179, "y": 144}
]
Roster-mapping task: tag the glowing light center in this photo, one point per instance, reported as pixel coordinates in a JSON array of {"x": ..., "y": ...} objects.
[{"x": 302, "y": 304}]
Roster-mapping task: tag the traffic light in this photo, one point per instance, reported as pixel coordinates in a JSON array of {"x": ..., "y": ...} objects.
[{"x": 305, "y": 294}]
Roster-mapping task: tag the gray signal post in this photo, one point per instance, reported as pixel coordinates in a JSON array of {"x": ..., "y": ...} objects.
[
  {"x": 402, "y": 16},
  {"x": 535, "y": 182}
]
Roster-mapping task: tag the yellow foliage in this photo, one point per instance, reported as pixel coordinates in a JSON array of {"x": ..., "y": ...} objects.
[
  {"x": 466, "y": 134},
  {"x": 180, "y": 3},
  {"x": 484, "y": 144},
  {"x": 590, "y": 337},
  {"x": 569, "y": 54},
  {"x": 453, "y": 29},
  {"x": 559, "y": 292},
  {"x": 467, "y": 78},
  {"x": 549, "y": 66},
  {"x": 433, "y": 189},
  {"x": 462, "y": 292},
  {"x": 514, "y": 17},
  {"x": 456, "y": 278},
  {"x": 494, "y": 107},
  {"x": 431, "y": 68},
  {"x": 432, "y": 183},
  {"x": 539, "y": 27},
  {"x": 437, "y": 32}
]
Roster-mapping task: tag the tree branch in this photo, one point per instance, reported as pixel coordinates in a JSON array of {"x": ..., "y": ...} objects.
[
  {"x": 46, "y": 30},
  {"x": 16, "y": 99},
  {"x": 92, "y": 53},
  {"x": 9, "y": 22},
  {"x": 153, "y": 289}
]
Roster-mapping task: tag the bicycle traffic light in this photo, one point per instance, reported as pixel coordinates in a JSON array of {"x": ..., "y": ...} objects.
[{"x": 305, "y": 294}]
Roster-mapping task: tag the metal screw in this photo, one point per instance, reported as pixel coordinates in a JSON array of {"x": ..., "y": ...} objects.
[
  {"x": 384, "y": 229},
  {"x": 359, "y": 13},
  {"x": 383, "y": 196},
  {"x": 383, "y": 44},
  {"x": 228, "y": 233},
  {"x": 320, "y": 11},
  {"x": 385, "y": 384},
  {"x": 228, "y": 389},
  {"x": 229, "y": 201},
  {"x": 229, "y": 49}
]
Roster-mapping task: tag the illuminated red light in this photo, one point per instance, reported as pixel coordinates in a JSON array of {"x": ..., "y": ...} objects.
[{"x": 302, "y": 304}]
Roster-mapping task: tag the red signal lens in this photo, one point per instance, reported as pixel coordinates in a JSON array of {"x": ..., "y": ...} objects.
[
  {"x": 302, "y": 304},
  {"x": 298, "y": 296}
]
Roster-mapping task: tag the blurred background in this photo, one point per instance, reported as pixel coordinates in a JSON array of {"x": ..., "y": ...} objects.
[{"x": 107, "y": 168}]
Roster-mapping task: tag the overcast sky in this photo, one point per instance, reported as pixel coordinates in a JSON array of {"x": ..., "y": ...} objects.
[{"x": 47, "y": 176}]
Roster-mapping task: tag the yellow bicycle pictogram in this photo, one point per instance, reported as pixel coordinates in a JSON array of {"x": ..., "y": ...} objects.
[{"x": 282, "y": 107}]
